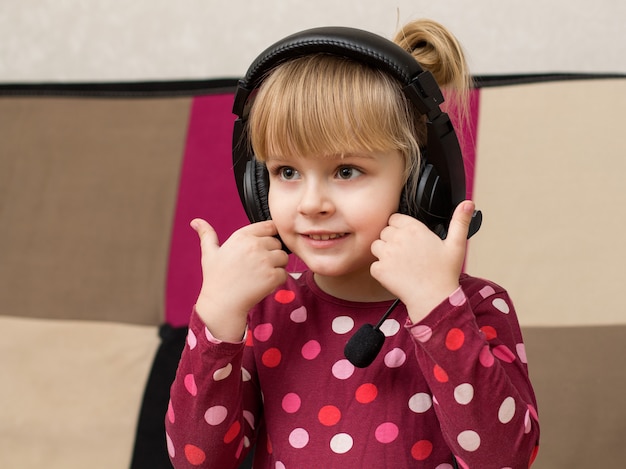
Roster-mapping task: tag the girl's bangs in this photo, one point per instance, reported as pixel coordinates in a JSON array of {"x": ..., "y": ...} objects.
[{"x": 323, "y": 106}]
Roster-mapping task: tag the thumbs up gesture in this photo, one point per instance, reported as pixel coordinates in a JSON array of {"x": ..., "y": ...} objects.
[
  {"x": 237, "y": 275},
  {"x": 418, "y": 266}
]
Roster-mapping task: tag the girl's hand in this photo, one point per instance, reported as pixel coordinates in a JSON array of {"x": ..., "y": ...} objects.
[
  {"x": 237, "y": 275},
  {"x": 416, "y": 265}
]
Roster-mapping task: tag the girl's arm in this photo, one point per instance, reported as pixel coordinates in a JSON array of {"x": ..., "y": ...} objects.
[
  {"x": 471, "y": 352},
  {"x": 214, "y": 404}
]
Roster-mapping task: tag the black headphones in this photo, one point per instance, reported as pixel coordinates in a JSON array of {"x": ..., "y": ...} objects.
[{"x": 441, "y": 184}]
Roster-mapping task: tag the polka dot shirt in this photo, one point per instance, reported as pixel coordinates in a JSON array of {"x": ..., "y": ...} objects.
[{"x": 454, "y": 386}]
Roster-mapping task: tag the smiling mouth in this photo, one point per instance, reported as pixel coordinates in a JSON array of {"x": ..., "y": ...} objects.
[{"x": 325, "y": 237}]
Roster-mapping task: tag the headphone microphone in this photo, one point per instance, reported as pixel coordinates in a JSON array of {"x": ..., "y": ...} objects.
[{"x": 364, "y": 345}]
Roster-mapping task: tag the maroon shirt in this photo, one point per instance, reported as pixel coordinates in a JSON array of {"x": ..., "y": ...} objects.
[{"x": 455, "y": 383}]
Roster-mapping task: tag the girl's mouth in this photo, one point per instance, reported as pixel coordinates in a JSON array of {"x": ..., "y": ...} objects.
[{"x": 325, "y": 237}]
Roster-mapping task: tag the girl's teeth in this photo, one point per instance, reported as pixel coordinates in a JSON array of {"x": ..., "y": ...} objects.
[{"x": 325, "y": 237}]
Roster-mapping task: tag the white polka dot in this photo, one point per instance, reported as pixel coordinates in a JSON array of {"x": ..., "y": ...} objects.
[
  {"x": 192, "y": 340},
  {"x": 223, "y": 373},
  {"x": 507, "y": 410},
  {"x": 501, "y": 305},
  {"x": 215, "y": 415},
  {"x": 343, "y": 369},
  {"x": 395, "y": 358},
  {"x": 246, "y": 442},
  {"x": 279, "y": 465},
  {"x": 521, "y": 352},
  {"x": 420, "y": 402},
  {"x": 464, "y": 393},
  {"x": 469, "y": 440},
  {"x": 342, "y": 324},
  {"x": 245, "y": 375},
  {"x": 390, "y": 327},
  {"x": 341, "y": 443},
  {"x": 445, "y": 465},
  {"x": 299, "y": 438},
  {"x": 170, "y": 446}
]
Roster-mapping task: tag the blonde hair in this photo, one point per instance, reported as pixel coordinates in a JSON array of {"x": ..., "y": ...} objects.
[{"x": 321, "y": 105}]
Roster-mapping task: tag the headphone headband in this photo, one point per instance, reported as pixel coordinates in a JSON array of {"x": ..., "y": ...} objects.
[{"x": 442, "y": 183}]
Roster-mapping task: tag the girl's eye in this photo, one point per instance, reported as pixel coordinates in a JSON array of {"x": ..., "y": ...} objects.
[
  {"x": 287, "y": 173},
  {"x": 347, "y": 172}
]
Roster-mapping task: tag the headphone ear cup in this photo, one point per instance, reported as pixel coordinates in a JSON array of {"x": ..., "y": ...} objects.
[
  {"x": 255, "y": 188},
  {"x": 432, "y": 205}
]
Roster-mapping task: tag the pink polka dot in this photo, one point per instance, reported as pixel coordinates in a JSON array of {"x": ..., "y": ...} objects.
[
  {"x": 329, "y": 415},
  {"x": 366, "y": 393},
  {"x": 395, "y": 358},
  {"x": 521, "y": 352},
  {"x": 170, "y": 412},
  {"x": 343, "y": 369},
  {"x": 271, "y": 357},
  {"x": 263, "y": 332},
  {"x": 299, "y": 438},
  {"x": 422, "y": 333},
  {"x": 298, "y": 315},
  {"x": 487, "y": 291},
  {"x": 291, "y": 403},
  {"x": 462, "y": 464},
  {"x": 194, "y": 455},
  {"x": 311, "y": 349},
  {"x": 284, "y": 296},
  {"x": 249, "y": 416},
  {"x": 527, "y": 422},
  {"x": 386, "y": 432},
  {"x": 422, "y": 450},
  {"x": 232, "y": 432},
  {"x": 170, "y": 446},
  {"x": 455, "y": 339},
  {"x": 192, "y": 341},
  {"x": 215, "y": 415},
  {"x": 504, "y": 353},
  {"x": 239, "y": 449},
  {"x": 486, "y": 357},
  {"x": 458, "y": 297},
  {"x": 190, "y": 384}
]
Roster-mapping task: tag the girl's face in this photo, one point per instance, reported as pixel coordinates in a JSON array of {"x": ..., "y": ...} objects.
[{"x": 329, "y": 210}]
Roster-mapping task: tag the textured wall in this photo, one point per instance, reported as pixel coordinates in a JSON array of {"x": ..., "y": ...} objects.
[{"x": 73, "y": 40}]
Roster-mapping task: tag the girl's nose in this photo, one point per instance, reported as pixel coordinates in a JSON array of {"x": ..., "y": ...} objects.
[{"x": 315, "y": 200}]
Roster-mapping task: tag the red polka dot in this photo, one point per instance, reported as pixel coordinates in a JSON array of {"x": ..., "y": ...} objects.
[
  {"x": 194, "y": 455},
  {"x": 490, "y": 332},
  {"x": 284, "y": 296},
  {"x": 440, "y": 374},
  {"x": 232, "y": 432},
  {"x": 533, "y": 456},
  {"x": 366, "y": 393},
  {"x": 271, "y": 357},
  {"x": 455, "y": 339},
  {"x": 249, "y": 341},
  {"x": 329, "y": 415},
  {"x": 421, "y": 450}
]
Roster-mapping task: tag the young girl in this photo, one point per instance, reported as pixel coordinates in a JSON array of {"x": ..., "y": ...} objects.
[{"x": 264, "y": 362}]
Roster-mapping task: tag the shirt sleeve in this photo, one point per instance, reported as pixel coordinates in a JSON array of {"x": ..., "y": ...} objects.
[
  {"x": 471, "y": 352},
  {"x": 214, "y": 403}
]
